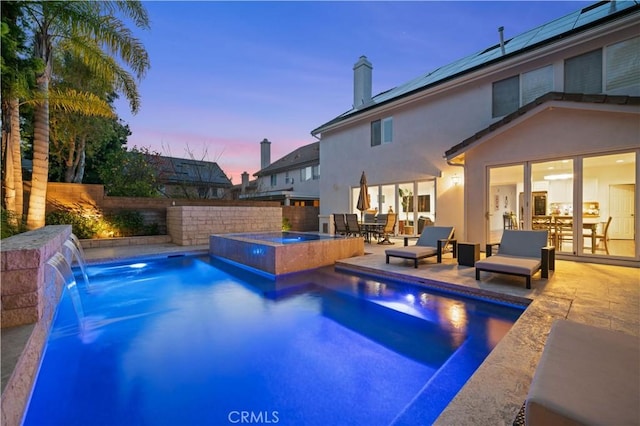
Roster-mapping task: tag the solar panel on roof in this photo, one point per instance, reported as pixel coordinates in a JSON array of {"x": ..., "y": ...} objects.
[{"x": 537, "y": 35}]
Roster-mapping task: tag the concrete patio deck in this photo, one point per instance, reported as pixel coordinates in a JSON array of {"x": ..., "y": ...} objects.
[{"x": 600, "y": 295}]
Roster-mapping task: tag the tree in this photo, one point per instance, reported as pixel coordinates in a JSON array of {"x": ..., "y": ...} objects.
[
  {"x": 131, "y": 173},
  {"x": 15, "y": 70},
  {"x": 92, "y": 32},
  {"x": 75, "y": 133}
]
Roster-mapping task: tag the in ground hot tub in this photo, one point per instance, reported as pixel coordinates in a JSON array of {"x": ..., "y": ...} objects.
[{"x": 283, "y": 252}]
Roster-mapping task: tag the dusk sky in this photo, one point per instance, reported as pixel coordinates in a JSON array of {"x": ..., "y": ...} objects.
[{"x": 225, "y": 75}]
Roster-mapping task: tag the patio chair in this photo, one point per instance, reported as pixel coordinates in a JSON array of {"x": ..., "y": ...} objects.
[
  {"x": 352, "y": 225},
  {"x": 521, "y": 253},
  {"x": 369, "y": 217},
  {"x": 384, "y": 231},
  {"x": 340, "y": 224},
  {"x": 432, "y": 242}
]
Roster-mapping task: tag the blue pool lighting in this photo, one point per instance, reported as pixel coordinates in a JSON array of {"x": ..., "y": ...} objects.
[{"x": 197, "y": 341}]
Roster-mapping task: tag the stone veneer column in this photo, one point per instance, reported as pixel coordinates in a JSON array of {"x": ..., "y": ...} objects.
[{"x": 30, "y": 294}]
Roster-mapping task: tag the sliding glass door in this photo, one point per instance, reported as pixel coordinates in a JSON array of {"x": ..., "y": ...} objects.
[
  {"x": 506, "y": 204},
  {"x": 608, "y": 206},
  {"x": 587, "y": 203}
]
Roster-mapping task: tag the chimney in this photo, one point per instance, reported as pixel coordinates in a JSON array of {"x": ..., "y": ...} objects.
[
  {"x": 501, "y": 31},
  {"x": 265, "y": 153},
  {"x": 362, "y": 82},
  {"x": 245, "y": 182}
]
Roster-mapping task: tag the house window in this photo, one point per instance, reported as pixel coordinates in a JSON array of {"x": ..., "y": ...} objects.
[
  {"x": 536, "y": 83},
  {"x": 506, "y": 96},
  {"x": 382, "y": 131},
  {"x": 305, "y": 174},
  {"x": 274, "y": 180},
  {"x": 583, "y": 74},
  {"x": 315, "y": 170},
  {"x": 622, "y": 67}
]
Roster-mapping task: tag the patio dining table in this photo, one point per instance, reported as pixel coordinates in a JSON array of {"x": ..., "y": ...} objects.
[{"x": 370, "y": 228}]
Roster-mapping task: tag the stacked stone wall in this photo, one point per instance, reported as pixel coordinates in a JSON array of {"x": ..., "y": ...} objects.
[
  {"x": 25, "y": 297},
  {"x": 192, "y": 225},
  {"x": 30, "y": 294}
]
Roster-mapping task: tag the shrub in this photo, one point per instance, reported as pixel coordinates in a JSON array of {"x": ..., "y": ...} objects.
[
  {"x": 10, "y": 224},
  {"x": 91, "y": 223},
  {"x": 83, "y": 226}
]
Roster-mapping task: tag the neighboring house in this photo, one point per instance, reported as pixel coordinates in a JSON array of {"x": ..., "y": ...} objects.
[
  {"x": 293, "y": 179},
  {"x": 543, "y": 124},
  {"x": 188, "y": 178}
]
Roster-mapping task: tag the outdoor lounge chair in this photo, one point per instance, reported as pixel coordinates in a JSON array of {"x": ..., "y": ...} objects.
[
  {"x": 586, "y": 375},
  {"x": 520, "y": 253},
  {"x": 432, "y": 242}
]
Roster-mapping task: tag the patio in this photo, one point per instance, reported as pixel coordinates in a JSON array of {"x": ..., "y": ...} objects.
[{"x": 600, "y": 295}]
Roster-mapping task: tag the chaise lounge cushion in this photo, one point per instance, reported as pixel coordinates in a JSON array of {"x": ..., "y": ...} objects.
[
  {"x": 412, "y": 252},
  {"x": 586, "y": 375},
  {"x": 510, "y": 264}
]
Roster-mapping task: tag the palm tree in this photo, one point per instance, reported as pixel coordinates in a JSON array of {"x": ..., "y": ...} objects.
[
  {"x": 91, "y": 31},
  {"x": 14, "y": 70}
]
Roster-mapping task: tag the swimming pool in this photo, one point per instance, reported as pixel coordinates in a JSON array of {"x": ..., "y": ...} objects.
[{"x": 192, "y": 341}]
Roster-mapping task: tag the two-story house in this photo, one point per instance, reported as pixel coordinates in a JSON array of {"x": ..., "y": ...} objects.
[
  {"x": 293, "y": 179},
  {"x": 542, "y": 127}
]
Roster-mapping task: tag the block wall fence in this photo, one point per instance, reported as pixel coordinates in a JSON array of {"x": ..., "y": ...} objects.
[
  {"x": 154, "y": 210},
  {"x": 192, "y": 225}
]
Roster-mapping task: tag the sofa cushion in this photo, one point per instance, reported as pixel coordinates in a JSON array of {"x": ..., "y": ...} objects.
[
  {"x": 586, "y": 375},
  {"x": 412, "y": 252},
  {"x": 510, "y": 264}
]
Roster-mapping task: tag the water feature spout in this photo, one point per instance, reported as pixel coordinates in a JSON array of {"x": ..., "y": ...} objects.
[
  {"x": 59, "y": 263},
  {"x": 79, "y": 256}
]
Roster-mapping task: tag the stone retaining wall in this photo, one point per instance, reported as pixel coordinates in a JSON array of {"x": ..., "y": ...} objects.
[
  {"x": 30, "y": 294},
  {"x": 25, "y": 299},
  {"x": 192, "y": 225}
]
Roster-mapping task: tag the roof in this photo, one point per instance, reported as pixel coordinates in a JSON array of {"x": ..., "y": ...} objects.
[
  {"x": 551, "y": 96},
  {"x": 581, "y": 20},
  {"x": 189, "y": 171},
  {"x": 307, "y": 155}
]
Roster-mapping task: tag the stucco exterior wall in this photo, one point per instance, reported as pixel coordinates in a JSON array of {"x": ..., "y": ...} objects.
[
  {"x": 428, "y": 123},
  {"x": 555, "y": 130}
]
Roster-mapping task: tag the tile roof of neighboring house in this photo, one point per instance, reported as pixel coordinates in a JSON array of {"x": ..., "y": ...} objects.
[
  {"x": 307, "y": 155},
  {"x": 551, "y": 96},
  {"x": 581, "y": 20},
  {"x": 188, "y": 171}
]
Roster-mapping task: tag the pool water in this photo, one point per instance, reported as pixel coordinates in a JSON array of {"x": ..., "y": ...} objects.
[
  {"x": 195, "y": 341},
  {"x": 284, "y": 237}
]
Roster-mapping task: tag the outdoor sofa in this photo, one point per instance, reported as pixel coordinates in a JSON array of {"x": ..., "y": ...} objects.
[
  {"x": 521, "y": 253},
  {"x": 432, "y": 242},
  {"x": 586, "y": 376}
]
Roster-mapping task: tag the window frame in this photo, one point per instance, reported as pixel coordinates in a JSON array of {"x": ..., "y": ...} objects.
[{"x": 381, "y": 131}]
